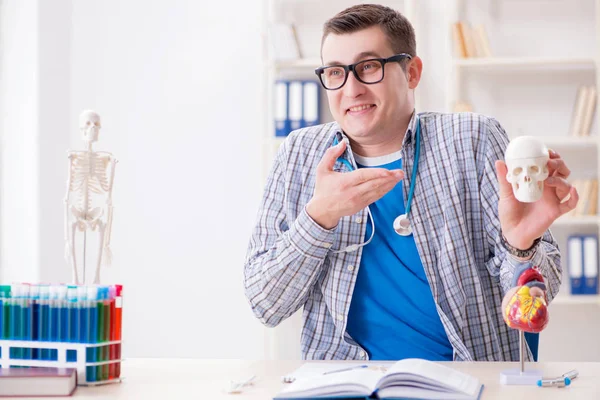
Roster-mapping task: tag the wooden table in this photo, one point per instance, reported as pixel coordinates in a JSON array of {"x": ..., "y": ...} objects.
[{"x": 207, "y": 379}]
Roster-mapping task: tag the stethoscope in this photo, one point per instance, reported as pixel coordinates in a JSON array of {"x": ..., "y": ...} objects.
[{"x": 401, "y": 224}]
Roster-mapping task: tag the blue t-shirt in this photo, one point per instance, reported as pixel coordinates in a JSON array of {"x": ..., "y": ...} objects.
[{"x": 392, "y": 314}]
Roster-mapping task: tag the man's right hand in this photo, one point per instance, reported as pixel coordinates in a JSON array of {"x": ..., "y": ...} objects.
[{"x": 340, "y": 194}]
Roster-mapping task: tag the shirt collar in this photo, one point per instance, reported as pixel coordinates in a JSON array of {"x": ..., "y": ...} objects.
[{"x": 409, "y": 136}]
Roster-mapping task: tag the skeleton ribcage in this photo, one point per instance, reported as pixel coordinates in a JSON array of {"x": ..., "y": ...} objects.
[{"x": 89, "y": 177}]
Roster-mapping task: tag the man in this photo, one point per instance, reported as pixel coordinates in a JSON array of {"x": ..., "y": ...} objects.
[{"x": 329, "y": 238}]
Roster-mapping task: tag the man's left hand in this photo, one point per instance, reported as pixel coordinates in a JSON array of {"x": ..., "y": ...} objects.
[{"x": 522, "y": 223}]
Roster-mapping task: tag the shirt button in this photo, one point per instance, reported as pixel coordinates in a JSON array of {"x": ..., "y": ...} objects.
[
  {"x": 350, "y": 267},
  {"x": 340, "y": 317},
  {"x": 358, "y": 220},
  {"x": 362, "y": 354},
  {"x": 327, "y": 245}
]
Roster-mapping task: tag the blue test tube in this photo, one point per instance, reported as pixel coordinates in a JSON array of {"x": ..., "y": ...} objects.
[
  {"x": 73, "y": 313},
  {"x": 33, "y": 333},
  {"x": 73, "y": 319},
  {"x": 15, "y": 319},
  {"x": 6, "y": 311},
  {"x": 44, "y": 319},
  {"x": 26, "y": 316},
  {"x": 53, "y": 314},
  {"x": 82, "y": 309},
  {"x": 63, "y": 314}
]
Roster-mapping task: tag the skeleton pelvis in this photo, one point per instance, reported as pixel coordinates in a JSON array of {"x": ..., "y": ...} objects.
[{"x": 89, "y": 220}]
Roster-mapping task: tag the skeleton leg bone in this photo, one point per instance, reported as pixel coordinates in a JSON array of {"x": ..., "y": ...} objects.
[
  {"x": 101, "y": 228},
  {"x": 73, "y": 260}
]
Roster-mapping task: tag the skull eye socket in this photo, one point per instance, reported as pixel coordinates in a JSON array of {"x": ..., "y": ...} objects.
[
  {"x": 88, "y": 123},
  {"x": 517, "y": 170},
  {"x": 534, "y": 169}
]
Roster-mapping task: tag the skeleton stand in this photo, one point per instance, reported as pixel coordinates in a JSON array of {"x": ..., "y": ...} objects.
[{"x": 520, "y": 376}]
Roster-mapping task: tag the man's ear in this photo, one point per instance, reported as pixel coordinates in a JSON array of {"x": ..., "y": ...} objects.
[{"x": 414, "y": 70}]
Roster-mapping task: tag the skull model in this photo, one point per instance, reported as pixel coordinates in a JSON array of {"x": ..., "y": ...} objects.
[
  {"x": 527, "y": 158},
  {"x": 89, "y": 125}
]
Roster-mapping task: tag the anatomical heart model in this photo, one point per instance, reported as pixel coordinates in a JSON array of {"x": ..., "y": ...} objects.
[{"x": 88, "y": 202}]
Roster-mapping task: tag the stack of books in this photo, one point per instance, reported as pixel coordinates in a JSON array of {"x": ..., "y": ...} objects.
[
  {"x": 470, "y": 41},
  {"x": 584, "y": 111}
]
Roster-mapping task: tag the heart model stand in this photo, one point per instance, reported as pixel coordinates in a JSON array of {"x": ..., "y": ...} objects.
[{"x": 520, "y": 376}]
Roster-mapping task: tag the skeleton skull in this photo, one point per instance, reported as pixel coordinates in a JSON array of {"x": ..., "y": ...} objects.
[
  {"x": 89, "y": 125},
  {"x": 527, "y": 158}
]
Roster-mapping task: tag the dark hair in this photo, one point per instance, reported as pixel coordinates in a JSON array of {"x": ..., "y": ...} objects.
[{"x": 396, "y": 26}]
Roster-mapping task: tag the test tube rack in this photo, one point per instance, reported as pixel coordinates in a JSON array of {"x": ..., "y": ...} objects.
[{"x": 82, "y": 366}]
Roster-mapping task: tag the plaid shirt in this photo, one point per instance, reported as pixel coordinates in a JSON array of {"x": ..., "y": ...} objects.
[{"x": 455, "y": 223}]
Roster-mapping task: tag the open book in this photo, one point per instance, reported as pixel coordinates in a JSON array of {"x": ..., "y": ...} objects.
[{"x": 410, "y": 378}]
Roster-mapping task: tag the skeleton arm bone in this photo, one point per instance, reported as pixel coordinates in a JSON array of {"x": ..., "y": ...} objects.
[
  {"x": 68, "y": 236},
  {"x": 106, "y": 246}
]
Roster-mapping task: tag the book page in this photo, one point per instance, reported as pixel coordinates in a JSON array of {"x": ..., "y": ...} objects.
[
  {"x": 419, "y": 370},
  {"x": 361, "y": 381}
]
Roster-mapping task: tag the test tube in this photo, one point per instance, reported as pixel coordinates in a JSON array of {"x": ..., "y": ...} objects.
[
  {"x": 4, "y": 311},
  {"x": 107, "y": 317},
  {"x": 101, "y": 331},
  {"x": 63, "y": 314},
  {"x": 44, "y": 319},
  {"x": 33, "y": 332},
  {"x": 83, "y": 335},
  {"x": 118, "y": 324},
  {"x": 92, "y": 295},
  {"x": 25, "y": 319},
  {"x": 73, "y": 313},
  {"x": 53, "y": 320},
  {"x": 15, "y": 319},
  {"x": 112, "y": 293}
]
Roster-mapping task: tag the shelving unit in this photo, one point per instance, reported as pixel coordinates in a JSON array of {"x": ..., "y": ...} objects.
[
  {"x": 536, "y": 62},
  {"x": 309, "y": 33},
  {"x": 577, "y": 65}
]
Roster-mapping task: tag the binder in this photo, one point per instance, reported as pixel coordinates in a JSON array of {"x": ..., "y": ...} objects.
[
  {"x": 575, "y": 263},
  {"x": 295, "y": 105},
  {"x": 590, "y": 264},
  {"x": 282, "y": 122},
  {"x": 310, "y": 104}
]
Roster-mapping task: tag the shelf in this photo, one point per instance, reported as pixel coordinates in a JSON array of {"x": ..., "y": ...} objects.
[
  {"x": 543, "y": 62},
  {"x": 566, "y": 298},
  {"x": 581, "y": 220},
  {"x": 303, "y": 63}
]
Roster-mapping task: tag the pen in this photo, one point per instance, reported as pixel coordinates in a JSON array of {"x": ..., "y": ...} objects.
[{"x": 345, "y": 369}]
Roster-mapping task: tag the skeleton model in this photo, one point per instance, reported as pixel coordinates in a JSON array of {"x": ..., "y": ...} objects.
[
  {"x": 88, "y": 201},
  {"x": 526, "y": 159}
]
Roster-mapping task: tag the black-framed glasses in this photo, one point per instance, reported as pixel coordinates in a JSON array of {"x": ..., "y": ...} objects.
[{"x": 368, "y": 71}]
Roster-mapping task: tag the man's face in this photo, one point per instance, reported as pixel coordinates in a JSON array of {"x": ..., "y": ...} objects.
[{"x": 364, "y": 110}]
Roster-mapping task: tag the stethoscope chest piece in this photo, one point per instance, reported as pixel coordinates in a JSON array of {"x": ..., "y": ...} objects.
[{"x": 402, "y": 225}]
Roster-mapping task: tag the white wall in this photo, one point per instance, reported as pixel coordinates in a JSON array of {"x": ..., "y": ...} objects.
[
  {"x": 177, "y": 85},
  {"x": 19, "y": 190}
]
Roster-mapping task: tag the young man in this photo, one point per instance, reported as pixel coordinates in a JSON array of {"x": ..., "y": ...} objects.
[{"x": 374, "y": 285}]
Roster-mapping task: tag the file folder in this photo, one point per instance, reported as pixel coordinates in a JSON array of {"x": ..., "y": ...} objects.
[
  {"x": 295, "y": 105},
  {"x": 282, "y": 122},
  {"x": 575, "y": 263},
  {"x": 590, "y": 264},
  {"x": 310, "y": 103}
]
